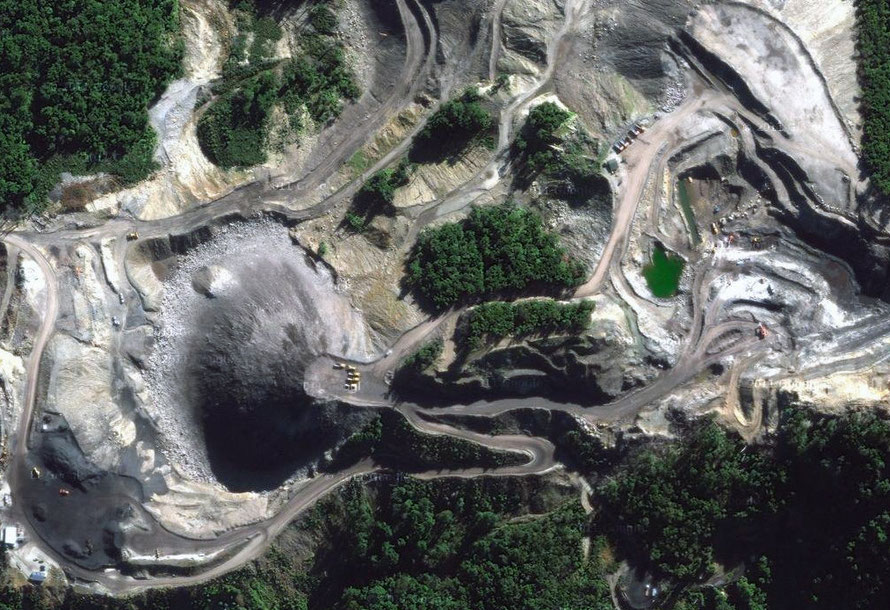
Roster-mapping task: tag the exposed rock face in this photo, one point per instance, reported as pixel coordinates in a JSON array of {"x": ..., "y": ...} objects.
[
  {"x": 593, "y": 368},
  {"x": 634, "y": 41},
  {"x": 210, "y": 280},
  {"x": 527, "y": 27}
]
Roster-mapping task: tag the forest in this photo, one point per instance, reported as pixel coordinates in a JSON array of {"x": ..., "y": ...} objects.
[
  {"x": 809, "y": 517},
  {"x": 874, "y": 71},
  {"x": 405, "y": 544},
  {"x": 496, "y": 250},
  {"x": 76, "y": 80},
  {"x": 801, "y": 522},
  {"x": 565, "y": 159}
]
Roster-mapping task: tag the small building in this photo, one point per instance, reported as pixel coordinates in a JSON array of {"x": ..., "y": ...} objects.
[
  {"x": 8, "y": 536},
  {"x": 612, "y": 165},
  {"x": 37, "y": 577}
]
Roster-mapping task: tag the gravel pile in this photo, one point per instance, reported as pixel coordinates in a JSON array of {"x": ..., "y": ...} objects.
[{"x": 248, "y": 249}]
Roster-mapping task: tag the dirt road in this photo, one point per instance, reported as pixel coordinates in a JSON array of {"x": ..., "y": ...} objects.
[{"x": 713, "y": 334}]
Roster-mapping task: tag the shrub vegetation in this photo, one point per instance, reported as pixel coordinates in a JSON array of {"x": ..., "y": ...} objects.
[
  {"x": 76, "y": 79},
  {"x": 391, "y": 441},
  {"x": 497, "y": 249},
  {"x": 377, "y": 194},
  {"x": 234, "y": 131},
  {"x": 425, "y": 357}
]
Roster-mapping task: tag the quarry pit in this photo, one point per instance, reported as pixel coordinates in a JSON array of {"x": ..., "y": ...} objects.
[{"x": 177, "y": 369}]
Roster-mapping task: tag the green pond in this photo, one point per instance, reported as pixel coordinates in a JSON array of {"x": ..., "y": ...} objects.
[{"x": 663, "y": 273}]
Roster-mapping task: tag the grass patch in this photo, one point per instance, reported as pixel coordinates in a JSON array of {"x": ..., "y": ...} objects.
[
  {"x": 688, "y": 214},
  {"x": 358, "y": 162}
]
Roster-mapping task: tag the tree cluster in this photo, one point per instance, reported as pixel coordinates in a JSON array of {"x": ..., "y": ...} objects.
[
  {"x": 452, "y": 128},
  {"x": 76, "y": 80},
  {"x": 498, "y": 320},
  {"x": 809, "y": 519},
  {"x": 675, "y": 503},
  {"x": 234, "y": 131},
  {"x": 426, "y": 551},
  {"x": 425, "y": 357},
  {"x": 497, "y": 249},
  {"x": 377, "y": 194},
  {"x": 566, "y": 162},
  {"x": 381, "y": 187},
  {"x": 874, "y": 70}
]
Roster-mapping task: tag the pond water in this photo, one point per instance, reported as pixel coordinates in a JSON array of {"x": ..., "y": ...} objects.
[{"x": 663, "y": 273}]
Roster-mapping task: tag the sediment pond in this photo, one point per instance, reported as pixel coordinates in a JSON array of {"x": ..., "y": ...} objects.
[{"x": 663, "y": 273}]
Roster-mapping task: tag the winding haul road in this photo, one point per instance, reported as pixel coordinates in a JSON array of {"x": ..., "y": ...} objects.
[{"x": 239, "y": 546}]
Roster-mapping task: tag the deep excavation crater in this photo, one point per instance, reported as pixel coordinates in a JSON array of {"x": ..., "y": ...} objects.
[
  {"x": 251, "y": 311},
  {"x": 246, "y": 363}
]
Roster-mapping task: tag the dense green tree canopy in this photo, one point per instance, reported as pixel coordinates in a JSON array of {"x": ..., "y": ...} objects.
[
  {"x": 566, "y": 160},
  {"x": 803, "y": 526},
  {"x": 452, "y": 127},
  {"x": 76, "y": 79},
  {"x": 874, "y": 68},
  {"x": 676, "y": 502},
  {"x": 497, "y": 249},
  {"x": 498, "y": 320}
]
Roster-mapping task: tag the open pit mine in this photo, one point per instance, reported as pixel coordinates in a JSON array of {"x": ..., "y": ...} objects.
[{"x": 184, "y": 360}]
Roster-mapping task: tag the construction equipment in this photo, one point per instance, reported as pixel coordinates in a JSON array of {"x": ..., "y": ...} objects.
[
  {"x": 132, "y": 236},
  {"x": 64, "y": 492},
  {"x": 762, "y": 331},
  {"x": 35, "y": 473}
]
